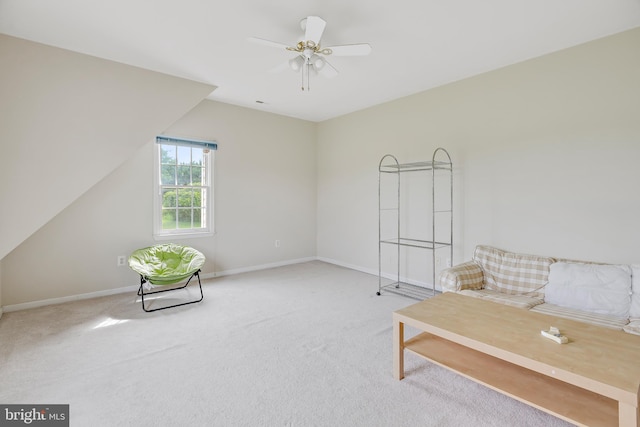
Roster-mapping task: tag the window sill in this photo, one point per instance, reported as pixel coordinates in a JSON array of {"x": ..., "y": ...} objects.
[{"x": 179, "y": 236}]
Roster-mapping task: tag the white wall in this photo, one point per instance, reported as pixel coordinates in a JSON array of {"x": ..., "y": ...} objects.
[
  {"x": 68, "y": 120},
  {"x": 264, "y": 190},
  {"x": 545, "y": 154}
]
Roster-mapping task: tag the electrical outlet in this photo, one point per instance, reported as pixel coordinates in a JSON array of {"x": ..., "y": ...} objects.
[
  {"x": 122, "y": 260},
  {"x": 277, "y": 244},
  {"x": 448, "y": 262}
]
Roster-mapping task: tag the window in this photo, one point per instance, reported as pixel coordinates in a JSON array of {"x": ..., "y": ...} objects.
[{"x": 183, "y": 201}]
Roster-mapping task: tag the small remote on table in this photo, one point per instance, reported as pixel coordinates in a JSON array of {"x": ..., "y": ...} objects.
[{"x": 554, "y": 334}]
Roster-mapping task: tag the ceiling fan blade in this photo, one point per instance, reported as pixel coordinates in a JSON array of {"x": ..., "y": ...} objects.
[
  {"x": 314, "y": 29},
  {"x": 267, "y": 43},
  {"x": 361, "y": 49},
  {"x": 280, "y": 68},
  {"x": 328, "y": 70}
]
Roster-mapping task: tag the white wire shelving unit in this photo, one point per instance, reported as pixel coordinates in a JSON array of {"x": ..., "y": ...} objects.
[{"x": 441, "y": 219}]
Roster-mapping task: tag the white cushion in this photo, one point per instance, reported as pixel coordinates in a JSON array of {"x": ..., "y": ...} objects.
[
  {"x": 582, "y": 316},
  {"x": 634, "y": 312},
  {"x": 602, "y": 289}
]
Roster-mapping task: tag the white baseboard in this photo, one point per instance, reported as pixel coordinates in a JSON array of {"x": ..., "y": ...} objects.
[
  {"x": 375, "y": 273},
  {"x": 349, "y": 266},
  {"x": 256, "y": 268},
  {"x": 52, "y": 301}
]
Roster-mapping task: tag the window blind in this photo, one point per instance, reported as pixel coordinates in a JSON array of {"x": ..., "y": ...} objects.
[{"x": 211, "y": 145}]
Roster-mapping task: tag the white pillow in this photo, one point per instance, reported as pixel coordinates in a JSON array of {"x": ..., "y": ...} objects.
[
  {"x": 602, "y": 289},
  {"x": 634, "y": 312}
]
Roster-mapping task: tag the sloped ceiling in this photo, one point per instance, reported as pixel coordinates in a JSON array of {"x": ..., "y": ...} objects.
[
  {"x": 417, "y": 44},
  {"x": 68, "y": 120}
]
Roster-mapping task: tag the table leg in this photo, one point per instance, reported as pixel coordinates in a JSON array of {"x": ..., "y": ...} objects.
[
  {"x": 628, "y": 415},
  {"x": 398, "y": 350}
]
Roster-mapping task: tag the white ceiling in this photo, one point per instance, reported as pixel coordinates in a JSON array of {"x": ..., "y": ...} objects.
[{"x": 417, "y": 44}]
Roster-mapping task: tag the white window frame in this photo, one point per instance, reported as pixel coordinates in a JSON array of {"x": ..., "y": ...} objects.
[{"x": 207, "y": 203}]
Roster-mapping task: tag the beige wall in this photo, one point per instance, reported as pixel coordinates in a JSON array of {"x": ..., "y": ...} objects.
[
  {"x": 265, "y": 183},
  {"x": 545, "y": 154},
  {"x": 264, "y": 190},
  {"x": 68, "y": 120}
]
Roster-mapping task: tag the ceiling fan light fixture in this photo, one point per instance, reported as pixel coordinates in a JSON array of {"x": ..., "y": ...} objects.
[
  {"x": 317, "y": 61},
  {"x": 296, "y": 63}
]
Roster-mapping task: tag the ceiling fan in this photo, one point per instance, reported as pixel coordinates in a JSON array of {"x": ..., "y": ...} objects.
[{"x": 310, "y": 56}]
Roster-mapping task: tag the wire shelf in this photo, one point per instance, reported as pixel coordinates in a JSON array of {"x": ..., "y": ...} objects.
[{"x": 408, "y": 290}]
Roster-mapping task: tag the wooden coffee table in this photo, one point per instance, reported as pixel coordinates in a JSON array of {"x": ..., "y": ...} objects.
[{"x": 593, "y": 380}]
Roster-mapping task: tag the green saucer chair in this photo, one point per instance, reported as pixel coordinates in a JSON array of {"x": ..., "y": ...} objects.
[{"x": 166, "y": 264}]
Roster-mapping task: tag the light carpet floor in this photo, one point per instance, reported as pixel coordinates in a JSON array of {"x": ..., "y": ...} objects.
[{"x": 302, "y": 345}]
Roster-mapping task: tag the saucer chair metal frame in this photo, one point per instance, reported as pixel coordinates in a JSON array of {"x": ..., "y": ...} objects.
[{"x": 164, "y": 265}]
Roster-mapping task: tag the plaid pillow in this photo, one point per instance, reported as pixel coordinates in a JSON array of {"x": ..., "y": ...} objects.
[{"x": 512, "y": 273}]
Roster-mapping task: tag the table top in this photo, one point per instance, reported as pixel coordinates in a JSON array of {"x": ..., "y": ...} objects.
[{"x": 596, "y": 358}]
